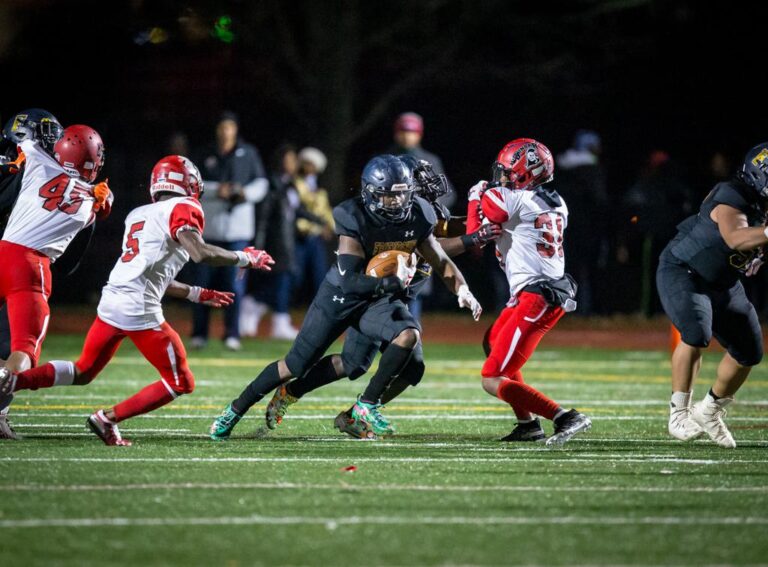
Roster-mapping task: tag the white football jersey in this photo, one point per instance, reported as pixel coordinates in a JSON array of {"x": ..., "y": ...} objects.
[
  {"x": 52, "y": 206},
  {"x": 151, "y": 258},
  {"x": 530, "y": 248}
]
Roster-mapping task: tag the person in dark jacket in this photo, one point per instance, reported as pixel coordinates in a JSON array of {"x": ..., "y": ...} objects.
[{"x": 699, "y": 285}]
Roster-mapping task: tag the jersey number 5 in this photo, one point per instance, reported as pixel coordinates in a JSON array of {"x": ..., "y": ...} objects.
[
  {"x": 552, "y": 233},
  {"x": 64, "y": 194},
  {"x": 132, "y": 243}
]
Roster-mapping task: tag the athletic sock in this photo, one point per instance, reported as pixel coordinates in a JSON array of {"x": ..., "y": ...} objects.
[
  {"x": 680, "y": 400},
  {"x": 714, "y": 396},
  {"x": 55, "y": 373},
  {"x": 529, "y": 398},
  {"x": 397, "y": 387},
  {"x": 393, "y": 360},
  {"x": 321, "y": 374},
  {"x": 264, "y": 383},
  {"x": 145, "y": 400},
  {"x": 523, "y": 415}
]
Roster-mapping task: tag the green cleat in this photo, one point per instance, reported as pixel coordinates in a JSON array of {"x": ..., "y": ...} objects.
[
  {"x": 222, "y": 427},
  {"x": 370, "y": 415},
  {"x": 277, "y": 407}
]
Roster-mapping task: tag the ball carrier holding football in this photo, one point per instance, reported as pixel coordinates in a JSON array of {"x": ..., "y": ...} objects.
[
  {"x": 359, "y": 350},
  {"x": 530, "y": 251},
  {"x": 385, "y": 217}
]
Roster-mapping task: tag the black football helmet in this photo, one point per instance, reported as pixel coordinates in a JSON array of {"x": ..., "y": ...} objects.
[
  {"x": 34, "y": 124},
  {"x": 428, "y": 184},
  {"x": 387, "y": 187},
  {"x": 754, "y": 171}
]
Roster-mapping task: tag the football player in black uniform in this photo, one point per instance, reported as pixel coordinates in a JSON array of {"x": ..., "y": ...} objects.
[
  {"x": 386, "y": 216},
  {"x": 360, "y": 350},
  {"x": 698, "y": 282},
  {"x": 35, "y": 124}
]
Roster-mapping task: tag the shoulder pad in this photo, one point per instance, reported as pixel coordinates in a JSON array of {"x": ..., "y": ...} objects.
[{"x": 425, "y": 209}]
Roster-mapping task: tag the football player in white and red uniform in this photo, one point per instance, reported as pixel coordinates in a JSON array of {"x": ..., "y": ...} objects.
[
  {"x": 533, "y": 219},
  {"x": 159, "y": 239},
  {"x": 57, "y": 200}
]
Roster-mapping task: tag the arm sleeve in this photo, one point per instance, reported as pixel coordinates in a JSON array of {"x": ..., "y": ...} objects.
[
  {"x": 495, "y": 206},
  {"x": 354, "y": 282},
  {"x": 186, "y": 216}
]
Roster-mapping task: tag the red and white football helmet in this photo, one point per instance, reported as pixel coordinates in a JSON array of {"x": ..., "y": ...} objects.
[
  {"x": 176, "y": 174},
  {"x": 80, "y": 151},
  {"x": 525, "y": 163}
]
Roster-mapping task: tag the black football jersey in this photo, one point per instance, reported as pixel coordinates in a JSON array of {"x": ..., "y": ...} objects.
[
  {"x": 377, "y": 234},
  {"x": 700, "y": 245}
]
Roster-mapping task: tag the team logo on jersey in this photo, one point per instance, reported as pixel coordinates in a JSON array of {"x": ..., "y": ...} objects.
[
  {"x": 405, "y": 246},
  {"x": 339, "y": 299},
  {"x": 409, "y": 233},
  {"x": 760, "y": 159}
]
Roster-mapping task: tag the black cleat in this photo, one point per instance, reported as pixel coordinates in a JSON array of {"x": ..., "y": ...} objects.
[
  {"x": 530, "y": 431},
  {"x": 568, "y": 425}
]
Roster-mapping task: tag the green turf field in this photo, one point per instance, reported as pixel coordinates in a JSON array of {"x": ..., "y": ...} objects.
[{"x": 442, "y": 492}]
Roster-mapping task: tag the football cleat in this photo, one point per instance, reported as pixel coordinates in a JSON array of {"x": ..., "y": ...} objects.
[
  {"x": 223, "y": 425},
  {"x": 568, "y": 425},
  {"x": 278, "y": 405},
  {"x": 6, "y": 431},
  {"x": 681, "y": 425},
  {"x": 709, "y": 414},
  {"x": 371, "y": 415},
  {"x": 345, "y": 423},
  {"x": 7, "y": 382},
  {"x": 530, "y": 431},
  {"x": 106, "y": 430}
]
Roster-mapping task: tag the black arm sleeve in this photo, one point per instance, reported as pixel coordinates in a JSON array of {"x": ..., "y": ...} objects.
[{"x": 354, "y": 282}]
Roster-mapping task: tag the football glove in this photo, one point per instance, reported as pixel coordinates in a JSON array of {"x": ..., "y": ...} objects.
[
  {"x": 210, "y": 297},
  {"x": 482, "y": 236},
  {"x": 466, "y": 299},
  {"x": 254, "y": 259},
  {"x": 13, "y": 167},
  {"x": 406, "y": 269}
]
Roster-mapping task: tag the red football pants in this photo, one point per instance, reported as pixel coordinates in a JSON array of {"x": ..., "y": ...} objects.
[
  {"x": 513, "y": 339},
  {"x": 25, "y": 285},
  {"x": 162, "y": 347}
]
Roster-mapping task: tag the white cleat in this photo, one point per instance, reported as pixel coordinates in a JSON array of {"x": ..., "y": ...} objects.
[
  {"x": 7, "y": 382},
  {"x": 682, "y": 426},
  {"x": 282, "y": 328},
  {"x": 709, "y": 414},
  {"x": 6, "y": 431}
]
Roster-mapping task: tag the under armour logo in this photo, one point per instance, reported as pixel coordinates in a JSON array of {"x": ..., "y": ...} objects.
[
  {"x": 339, "y": 299},
  {"x": 409, "y": 233}
]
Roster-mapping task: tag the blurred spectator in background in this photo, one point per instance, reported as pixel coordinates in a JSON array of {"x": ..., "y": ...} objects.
[
  {"x": 650, "y": 211},
  {"x": 178, "y": 144},
  {"x": 312, "y": 238},
  {"x": 276, "y": 230},
  {"x": 581, "y": 180},
  {"x": 409, "y": 130},
  {"x": 234, "y": 181}
]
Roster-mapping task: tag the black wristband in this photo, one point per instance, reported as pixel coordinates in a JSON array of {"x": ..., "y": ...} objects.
[{"x": 468, "y": 240}]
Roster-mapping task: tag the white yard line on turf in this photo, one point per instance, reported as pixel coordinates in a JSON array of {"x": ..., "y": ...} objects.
[
  {"x": 372, "y": 487},
  {"x": 333, "y": 523},
  {"x": 558, "y": 457},
  {"x": 394, "y": 415}
]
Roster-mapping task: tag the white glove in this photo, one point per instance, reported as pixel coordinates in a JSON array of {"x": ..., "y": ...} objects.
[
  {"x": 406, "y": 269},
  {"x": 466, "y": 299},
  {"x": 477, "y": 190}
]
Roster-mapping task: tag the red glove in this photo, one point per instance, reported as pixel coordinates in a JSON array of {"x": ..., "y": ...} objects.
[
  {"x": 210, "y": 297},
  {"x": 255, "y": 259}
]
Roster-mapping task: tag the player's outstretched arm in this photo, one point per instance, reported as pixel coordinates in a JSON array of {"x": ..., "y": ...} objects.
[
  {"x": 735, "y": 230},
  {"x": 196, "y": 294},
  {"x": 201, "y": 251},
  {"x": 434, "y": 254}
]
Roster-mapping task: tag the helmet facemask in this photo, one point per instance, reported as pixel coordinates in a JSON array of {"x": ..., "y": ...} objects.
[{"x": 393, "y": 203}]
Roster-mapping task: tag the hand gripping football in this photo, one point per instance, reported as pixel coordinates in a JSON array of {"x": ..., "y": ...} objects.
[{"x": 385, "y": 264}]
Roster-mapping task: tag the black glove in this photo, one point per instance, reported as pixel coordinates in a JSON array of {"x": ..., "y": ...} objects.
[{"x": 482, "y": 236}]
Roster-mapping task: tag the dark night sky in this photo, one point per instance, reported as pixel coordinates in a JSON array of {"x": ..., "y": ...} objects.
[{"x": 675, "y": 75}]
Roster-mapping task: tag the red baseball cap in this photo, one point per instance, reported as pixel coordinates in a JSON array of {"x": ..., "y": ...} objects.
[{"x": 409, "y": 122}]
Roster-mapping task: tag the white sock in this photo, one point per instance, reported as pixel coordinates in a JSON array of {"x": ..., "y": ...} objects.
[
  {"x": 65, "y": 372},
  {"x": 680, "y": 400}
]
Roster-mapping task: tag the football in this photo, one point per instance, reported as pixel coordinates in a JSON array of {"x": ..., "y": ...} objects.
[{"x": 385, "y": 264}]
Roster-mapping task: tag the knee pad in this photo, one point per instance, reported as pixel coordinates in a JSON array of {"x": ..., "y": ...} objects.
[
  {"x": 414, "y": 370},
  {"x": 695, "y": 336}
]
